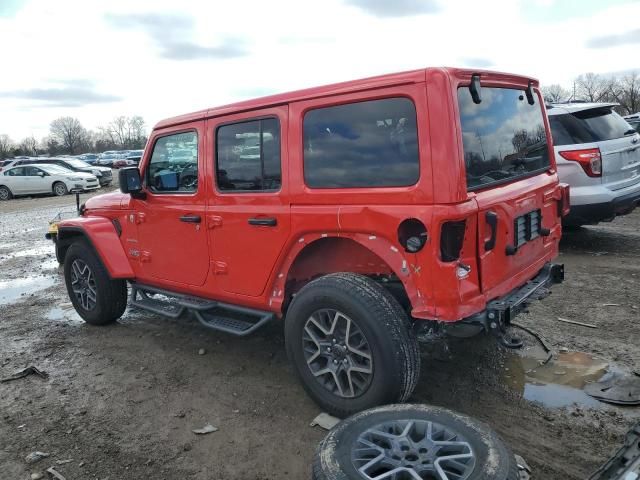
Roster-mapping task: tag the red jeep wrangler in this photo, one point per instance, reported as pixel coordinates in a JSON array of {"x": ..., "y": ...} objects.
[{"x": 360, "y": 213}]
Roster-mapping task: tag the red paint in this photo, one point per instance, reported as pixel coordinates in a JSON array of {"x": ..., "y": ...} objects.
[{"x": 321, "y": 231}]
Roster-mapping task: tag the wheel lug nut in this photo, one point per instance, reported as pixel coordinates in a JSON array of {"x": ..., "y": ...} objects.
[
  {"x": 328, "y": 349},
  {"x": 335, "y": 361}
]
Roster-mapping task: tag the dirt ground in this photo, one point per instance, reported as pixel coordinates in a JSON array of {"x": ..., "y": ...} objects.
[{"x": 121, "y": 401}]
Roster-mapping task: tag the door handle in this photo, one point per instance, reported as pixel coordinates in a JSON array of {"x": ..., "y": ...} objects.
[
  {"x": 264, "y": 221},
  {"x": 191, "y": 218},
  {"x": 492, "y": 221}
]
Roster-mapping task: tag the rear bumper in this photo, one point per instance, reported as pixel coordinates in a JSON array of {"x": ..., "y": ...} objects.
[
  {"x": 602, "y": 212},
  {"x": 503, "y": 310}
]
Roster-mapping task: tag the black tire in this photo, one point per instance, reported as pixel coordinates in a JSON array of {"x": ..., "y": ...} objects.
[
  {"x": 5, "y": 193},
  {"x": 492, "y": 460},
  {"x": 110, "y": 295},
  {"x": 59, "y": 189},
  {"x": 394, "y": 352}
]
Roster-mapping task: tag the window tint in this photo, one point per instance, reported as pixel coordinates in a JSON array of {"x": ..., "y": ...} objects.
[
  {"x": 248, "y": 156},
  {"x": 15, "y": 172},
  {"x": 503, "y": 137},
  {"x": 365, "y": 144},
  {"x": 32, "y": 171},
  {"x": 586, "y": 126},
  {"x": 174, "y": 164}
]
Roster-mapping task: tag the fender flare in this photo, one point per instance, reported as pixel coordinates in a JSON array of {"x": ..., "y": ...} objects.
[
  {"x": 101, "y": 234},
  {"x": 380, "y": 246}
]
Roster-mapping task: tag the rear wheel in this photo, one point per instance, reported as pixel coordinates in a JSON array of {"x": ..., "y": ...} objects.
[
  {"x": 60, "y": 189},
  {"x": 350, "y": 343},
  {"x": 97, "y": 298},
  {"x": 5, "y": 193}
]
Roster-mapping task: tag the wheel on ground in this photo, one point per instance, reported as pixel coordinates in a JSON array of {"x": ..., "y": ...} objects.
[
  {"x": 97, "y": 298},
  {"x": 412, "y": 442},
  {"x": 351, "y": 344},
  {"x": 60, "y": 189},
  {"x": 5, "y": 193}
]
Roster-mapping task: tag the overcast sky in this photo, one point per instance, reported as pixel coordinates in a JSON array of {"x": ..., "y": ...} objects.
[{"x": 97, "y": 59}]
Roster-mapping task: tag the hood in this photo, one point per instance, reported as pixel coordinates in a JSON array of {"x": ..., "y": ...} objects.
[
  {"x": 82, "y": 174},
  {"x": 108, "y": 201}
]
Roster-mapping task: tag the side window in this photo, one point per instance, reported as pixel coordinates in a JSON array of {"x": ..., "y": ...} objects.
[
  {"x": 15, "y": 172},
  {"x": 174, "y": 164},
  {"x": 248, "y": 156},
  {"x": 365, "y": 144},
  {"x": 31, "y": 171}
]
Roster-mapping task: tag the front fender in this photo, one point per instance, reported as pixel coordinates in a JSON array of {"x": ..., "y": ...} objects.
[{"x": 102, "y": 235}]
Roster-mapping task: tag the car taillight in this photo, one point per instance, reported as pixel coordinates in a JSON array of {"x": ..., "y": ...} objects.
[
  {"x": 590, "y": 160},
  {"x": 564, "y": 204},
  {"x": 451, "y": 239}
]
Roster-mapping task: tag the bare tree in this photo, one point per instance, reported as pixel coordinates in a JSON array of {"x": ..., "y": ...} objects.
[
  {"x": 125, "y": 132},
  {"x": 29, "y": 146},
  {"x": 627, "y": 93},
  {"x": 555, "y": 93},
  {"x": 595, "y": 88},
  {"x": 6, "y": 146},
  {"x": 69, "y": 132}
]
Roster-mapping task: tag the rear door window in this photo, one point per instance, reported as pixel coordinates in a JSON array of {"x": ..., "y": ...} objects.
[
  {"x": 366, "y": 144},
  {"x": 503, "y": 137},
  {"x": 587, "y": 126}
]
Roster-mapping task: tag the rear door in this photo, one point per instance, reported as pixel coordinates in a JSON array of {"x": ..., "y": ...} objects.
[
  {"x": 248, "y": 216},
  {"x": 508, "y": 170}
]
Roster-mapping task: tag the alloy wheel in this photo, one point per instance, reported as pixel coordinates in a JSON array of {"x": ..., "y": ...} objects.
[
  {"x": 412, "y": 450},
  {"x": 83, "y": 284},
  {"x": 337, "y": 353}
]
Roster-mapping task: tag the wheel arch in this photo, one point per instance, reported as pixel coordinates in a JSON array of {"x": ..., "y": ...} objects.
[
  {"x": 101, "y": 235},
  {"x": 314, "y": 255}
]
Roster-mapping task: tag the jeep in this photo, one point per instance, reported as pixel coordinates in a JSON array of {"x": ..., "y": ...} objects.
[{"x": 363, "y": 215}]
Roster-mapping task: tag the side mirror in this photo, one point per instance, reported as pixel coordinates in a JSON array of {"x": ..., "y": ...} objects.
[
  {"x": 41, "y": 174},
  {"x": 130, "y": 181}
]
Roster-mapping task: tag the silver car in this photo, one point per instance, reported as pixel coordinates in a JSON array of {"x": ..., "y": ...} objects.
[{"x": 598, "y": 155}]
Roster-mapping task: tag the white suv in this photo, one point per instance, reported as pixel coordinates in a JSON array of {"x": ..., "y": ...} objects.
[{"x": 598, "y": 155}]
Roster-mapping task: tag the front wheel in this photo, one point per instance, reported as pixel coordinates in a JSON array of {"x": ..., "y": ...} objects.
[
  {"x": 60, "y": 189},
  {"x": 350, "y": 343},
  {"x": 97, "y": 298}
]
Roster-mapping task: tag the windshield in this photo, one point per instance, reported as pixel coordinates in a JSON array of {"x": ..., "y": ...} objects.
[
  {"x": 587, "y": 126},
  {"x": 55, "y": 169},
  {"x": 503, "y": 136}
]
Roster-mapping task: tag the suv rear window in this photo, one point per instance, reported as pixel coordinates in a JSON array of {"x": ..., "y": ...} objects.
[
  {"x": 366, "y": 144},
  {"x": 503, "y": 136},
  {"x": 586, "y": 126}
]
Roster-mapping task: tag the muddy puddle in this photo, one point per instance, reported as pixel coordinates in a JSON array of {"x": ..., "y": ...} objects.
[
  {"x": 14, "y": 290},
  {"x": 557, "y": 383}
]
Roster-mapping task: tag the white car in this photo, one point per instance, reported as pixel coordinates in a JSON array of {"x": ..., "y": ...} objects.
[
  {"x": 43, "y": 178},
  {"x": 598, "y": 155}
]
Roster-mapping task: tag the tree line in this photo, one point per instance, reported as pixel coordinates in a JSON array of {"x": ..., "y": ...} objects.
[
  {"x": 69, "y": 137},
  {"x": 623, "y": 89}
]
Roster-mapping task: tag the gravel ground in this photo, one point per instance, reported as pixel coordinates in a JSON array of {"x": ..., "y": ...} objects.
[{"x": 121, "y": 401}]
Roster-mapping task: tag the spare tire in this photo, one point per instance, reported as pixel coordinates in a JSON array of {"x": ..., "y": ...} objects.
[{"x": 407, "y": 442}]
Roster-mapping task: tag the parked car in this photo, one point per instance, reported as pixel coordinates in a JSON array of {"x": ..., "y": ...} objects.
[
  {"x": 104, "y": 174},
  {"x": 43, "y": 178},
  {"x": 634, "y": 121},
  {"x": 132, "y": 158},
  {"x": 364, "y": 214},
  {"x": 598, "y": 155},
  {"x": 90, "y": 158},
  {"x": 107, "y": 158}
]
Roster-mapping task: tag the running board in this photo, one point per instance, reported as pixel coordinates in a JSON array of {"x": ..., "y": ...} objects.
[{"x": 223, "y": 317}]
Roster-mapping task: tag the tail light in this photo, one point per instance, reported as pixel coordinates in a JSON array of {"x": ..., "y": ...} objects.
[
  {"x": 590, "y": 160},
  {"x": 564, "y": 204},
  {"x": 451, "y": 239}
]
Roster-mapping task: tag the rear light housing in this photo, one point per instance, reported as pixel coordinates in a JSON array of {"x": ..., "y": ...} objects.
[
  {"x": 564, "y": 204},
  {"x": 590, "y": 160},
  {"x": 451, "y": 240}
]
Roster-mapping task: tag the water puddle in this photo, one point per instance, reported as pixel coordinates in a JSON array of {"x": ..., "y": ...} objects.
[
  {"x": 43, "y": 249},
  {"x": 65, "y": 313},
  {"x": 13, "y": 290},
  {"x": 559, "y": 382}
]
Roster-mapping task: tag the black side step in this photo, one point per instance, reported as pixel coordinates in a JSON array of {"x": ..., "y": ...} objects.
[{"x": 224, "y": 317}]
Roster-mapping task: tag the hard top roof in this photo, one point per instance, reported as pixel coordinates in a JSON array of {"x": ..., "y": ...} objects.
[{"x": 559, "y": 108}]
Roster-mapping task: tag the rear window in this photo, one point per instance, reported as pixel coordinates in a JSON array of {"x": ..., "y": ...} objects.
[
  {"x": 503, "y": 136},
  {"x": 587, "y": 126},
  {"x": 366, "y": 144}
]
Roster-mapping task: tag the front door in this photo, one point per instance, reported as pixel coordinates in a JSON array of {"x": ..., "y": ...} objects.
[
  {"x": 249, "y": 213},
  {"x": 171, "y": 219},
  {"x": 36, "y": 180}
]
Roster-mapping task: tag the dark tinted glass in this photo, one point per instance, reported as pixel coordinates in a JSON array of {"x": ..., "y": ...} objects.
[
  {"x": 593, "y": 125},
  {"x": 15, "y": 172},
  {"x": 248, "y": 156},
  {"x": 174, "y": 164},
  {"x": 365, "y": 144},
  {"x": 503, "y": 136}
]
